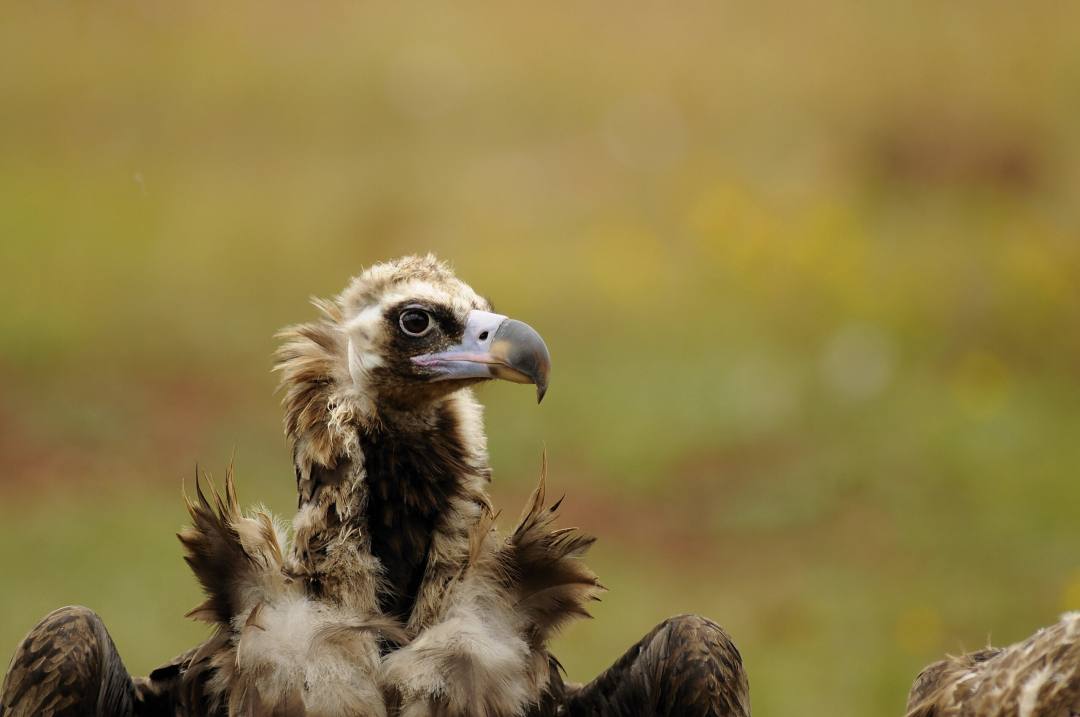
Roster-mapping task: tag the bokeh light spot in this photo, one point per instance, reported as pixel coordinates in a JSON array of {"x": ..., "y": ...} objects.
[{"x": 857, "y": 362}]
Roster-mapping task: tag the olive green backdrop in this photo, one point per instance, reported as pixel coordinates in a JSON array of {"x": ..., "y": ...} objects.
[{"x": 809, "y": 272}]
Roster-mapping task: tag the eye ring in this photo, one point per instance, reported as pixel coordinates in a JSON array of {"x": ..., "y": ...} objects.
[{"x": 415, "y": 322}]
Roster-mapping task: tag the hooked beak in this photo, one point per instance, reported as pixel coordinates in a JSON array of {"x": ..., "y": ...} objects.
[{"x": 493, "y": 346}]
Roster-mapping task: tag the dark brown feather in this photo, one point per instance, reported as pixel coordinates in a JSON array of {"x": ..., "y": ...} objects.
[
  {"x": 178, "y": 688},
  {"x": 686, "y": 667},
  {"x": 551, "y": 583},
  {"x": 214, "y": 552}
]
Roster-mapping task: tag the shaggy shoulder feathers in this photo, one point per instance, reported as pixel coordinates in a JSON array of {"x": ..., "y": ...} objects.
[
  {"x": 237, "y": 559},
  {"x": 483, "y": 654},
  {"x": 273, "y": 648},
  {"x": 486, "y": 656},
  {"x": 552, "y": 585}
]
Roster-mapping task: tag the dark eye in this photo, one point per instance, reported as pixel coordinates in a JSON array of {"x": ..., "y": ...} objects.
[{"x": 415, "y": 322}]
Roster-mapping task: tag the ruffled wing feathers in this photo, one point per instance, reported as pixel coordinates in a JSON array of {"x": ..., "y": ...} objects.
[
  {"x": 237, "y": 559},
  {"x": 551, "y": 582}
]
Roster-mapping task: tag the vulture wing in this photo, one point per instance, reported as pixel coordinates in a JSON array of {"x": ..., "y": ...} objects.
[
  {"x": 67, "y": 665},
  {"x": 552, "y": 583},
  {"x": 686, "y": 667},
  {"x": 234, "y": 557}
]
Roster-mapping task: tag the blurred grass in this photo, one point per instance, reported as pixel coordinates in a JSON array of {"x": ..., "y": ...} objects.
[{"x": 809, "y": 274}]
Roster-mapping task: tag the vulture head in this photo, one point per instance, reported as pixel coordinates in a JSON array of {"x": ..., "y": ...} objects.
[
  {"x": 402, "y": 338},
  {"x": 414, "y": 333}
]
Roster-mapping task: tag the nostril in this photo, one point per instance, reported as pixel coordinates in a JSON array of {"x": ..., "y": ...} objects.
[{"x": 483, "y": 335}]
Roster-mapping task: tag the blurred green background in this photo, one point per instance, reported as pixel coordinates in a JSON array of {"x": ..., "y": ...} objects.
[{"x": 810, "y": 273}]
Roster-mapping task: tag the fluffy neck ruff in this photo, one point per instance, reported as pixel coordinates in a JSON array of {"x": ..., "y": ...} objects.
[{"x": 387, "y": 499}]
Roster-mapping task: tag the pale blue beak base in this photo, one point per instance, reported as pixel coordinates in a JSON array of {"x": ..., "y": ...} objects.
[{"x": 493, "y": 346}]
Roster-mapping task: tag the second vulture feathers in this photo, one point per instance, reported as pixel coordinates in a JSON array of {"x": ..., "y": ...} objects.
[{"x": 1038, "y": 677}]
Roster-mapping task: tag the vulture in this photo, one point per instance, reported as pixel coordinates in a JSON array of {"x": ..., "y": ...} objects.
[
  {"x": 391, "y": 594},
  {"x": 1038, "y": 677}
]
